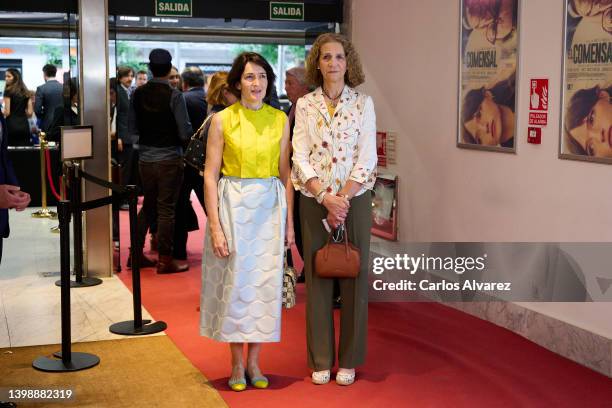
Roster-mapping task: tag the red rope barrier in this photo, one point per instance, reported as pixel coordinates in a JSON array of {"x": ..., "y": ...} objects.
[{"x": 48, "y": 160}]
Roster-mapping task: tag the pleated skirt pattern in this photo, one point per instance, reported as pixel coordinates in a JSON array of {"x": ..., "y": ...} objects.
[{"x": 241, "y": 295}]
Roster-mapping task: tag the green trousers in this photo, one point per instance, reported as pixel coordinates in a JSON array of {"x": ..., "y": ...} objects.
[{"x": 354, "y": 292}]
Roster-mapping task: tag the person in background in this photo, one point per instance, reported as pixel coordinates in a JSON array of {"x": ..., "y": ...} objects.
[
  {"x": 65, "y": 115},
  {"x": 334, "y": 167},
  {"x": 186, "y": 219},
  {"x": 249, "y": 223},
  {"x": 175, "y": 79},
  {"x": 49, "y": 96},
  {"x": 141, "y": 78},
  {"x": 159, "y": 123},
  {"x": 296, "y": 87},
  {"x": 17, "y": 109},
  {"x": 127, "y": 155},
  {"x": 11, "y": 195}
]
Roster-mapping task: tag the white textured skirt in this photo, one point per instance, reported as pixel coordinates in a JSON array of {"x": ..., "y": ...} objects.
[{"x": 241, "y": 295}]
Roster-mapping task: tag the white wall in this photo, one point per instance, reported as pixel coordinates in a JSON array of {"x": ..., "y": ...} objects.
[{"x": 410, "y": 53}]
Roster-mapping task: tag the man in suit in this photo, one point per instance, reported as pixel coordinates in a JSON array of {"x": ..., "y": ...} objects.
[
  {"x": 11, "y": 195},
  {"x": 127, "y": 155},
  {"x": 195, "y": 98},
  {"x": 48, "y": 97}
]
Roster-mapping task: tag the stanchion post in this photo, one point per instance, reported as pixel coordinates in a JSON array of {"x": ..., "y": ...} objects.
[
  {"x": 44, "y": 212},
  {"x": 64, "y": 218},
  {"x": 135, "y": 246},
  {"x": 137, "y": 326},
  {"x": 74, "y": 181},
  {"x": 66, "y": 360}
]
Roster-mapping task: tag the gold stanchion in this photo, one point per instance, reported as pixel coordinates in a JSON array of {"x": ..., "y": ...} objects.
[
  {"x": 56, "y": 229},
  {"x": 44, "y": 212}
]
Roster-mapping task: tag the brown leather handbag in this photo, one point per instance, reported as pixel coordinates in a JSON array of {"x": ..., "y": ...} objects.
[{"x": 337, "y": 259}]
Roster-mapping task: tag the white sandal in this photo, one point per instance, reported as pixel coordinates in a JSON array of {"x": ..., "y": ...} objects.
[
  {"x": 343, "y": 378},
  {"x": 321, "y": 377}
]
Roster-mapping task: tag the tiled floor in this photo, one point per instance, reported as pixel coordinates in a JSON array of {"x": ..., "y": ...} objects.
[{"x": 30, "y": 303}]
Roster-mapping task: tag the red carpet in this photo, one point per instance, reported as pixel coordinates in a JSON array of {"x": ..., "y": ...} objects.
[{"x": 419, "y": 355}]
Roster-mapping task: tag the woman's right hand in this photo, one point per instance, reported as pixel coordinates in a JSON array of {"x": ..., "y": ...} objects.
[
  {"x": 219, "y": 243},
  {"x": 336, "y": 206}
]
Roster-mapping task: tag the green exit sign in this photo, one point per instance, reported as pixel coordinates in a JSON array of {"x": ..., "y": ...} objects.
[
  {"x": 173, "y": 8},
  {"x": 286, "y": 11}
]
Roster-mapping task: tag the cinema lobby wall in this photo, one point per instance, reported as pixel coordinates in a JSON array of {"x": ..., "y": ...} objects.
[{"x": 410, "y": 55}]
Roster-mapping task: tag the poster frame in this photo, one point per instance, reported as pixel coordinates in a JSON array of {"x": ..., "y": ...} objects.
[
  {"x": 459, "y": 142},
  {"x": 561, "y": 155}
]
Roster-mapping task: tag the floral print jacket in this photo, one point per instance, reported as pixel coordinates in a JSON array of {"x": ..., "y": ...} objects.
[{"x": 334, "y": 149}]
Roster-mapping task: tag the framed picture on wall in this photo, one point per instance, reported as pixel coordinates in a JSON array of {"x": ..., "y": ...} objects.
[
  {"x": 586, "y": 110},
  {"x": 384, "y": 207},
  {"x": 488, "y": 45}
]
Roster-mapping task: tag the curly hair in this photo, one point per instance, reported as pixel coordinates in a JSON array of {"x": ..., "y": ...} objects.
[{"x": 354, "y": 72}]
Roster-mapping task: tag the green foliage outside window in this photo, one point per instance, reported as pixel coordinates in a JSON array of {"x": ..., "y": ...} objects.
[
  {"x": 128, "y": 55},
  {"x": 53, "y": 54}
]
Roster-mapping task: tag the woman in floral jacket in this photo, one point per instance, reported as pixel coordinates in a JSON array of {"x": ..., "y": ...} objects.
[{"x": 334, "y": 167}]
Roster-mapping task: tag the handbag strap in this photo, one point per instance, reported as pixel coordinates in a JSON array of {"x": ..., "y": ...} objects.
[
  {"x": 343, "y": 229},
  {"x": 198, "y": 132}
]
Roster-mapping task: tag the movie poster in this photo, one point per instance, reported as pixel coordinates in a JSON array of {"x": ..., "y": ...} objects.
[
  {"x": 487, "y": 74},
  {"x": 586, "y": 125}
]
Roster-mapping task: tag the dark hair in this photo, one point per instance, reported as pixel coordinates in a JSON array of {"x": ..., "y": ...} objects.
[
  {"x": 193, "y": 77},
  {"x": 503, "y": 94},
  {"x": 112, "y": 84},
  {"x": 160, "y": 70},
  {"x": 142, "y": 71},
  {"x": 17, "y": 87},
  {"x": 50, "y": 70},
  {"x": 74, "y": 87},
  {"x": 235, "y": 74},
  {"x": 124, "y": 71},
  {"x": 580, "y": 105}
]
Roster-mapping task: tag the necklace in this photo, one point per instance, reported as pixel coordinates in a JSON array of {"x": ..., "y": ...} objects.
[{"x": 334, "y": 101}]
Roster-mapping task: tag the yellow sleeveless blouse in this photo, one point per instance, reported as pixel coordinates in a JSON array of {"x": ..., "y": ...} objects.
[{"x": 251, "y": 141}]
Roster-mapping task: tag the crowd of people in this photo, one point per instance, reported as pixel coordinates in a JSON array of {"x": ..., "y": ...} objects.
[
  {"x": 271, "y": 180},
  {"x": 27, "y": 113}
]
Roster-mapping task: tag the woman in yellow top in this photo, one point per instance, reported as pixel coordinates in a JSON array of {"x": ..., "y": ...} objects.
[{"x": 248, "y": 221}]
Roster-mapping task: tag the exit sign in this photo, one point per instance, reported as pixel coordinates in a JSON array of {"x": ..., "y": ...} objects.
[
  {"x": 286, "y": 11},
  {"x": 173, "y": 8}
]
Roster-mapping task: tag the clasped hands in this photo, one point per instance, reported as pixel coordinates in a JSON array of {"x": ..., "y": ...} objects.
[
  {"x": 12, "y": 197},
  {"x": 337, "y": 209}
]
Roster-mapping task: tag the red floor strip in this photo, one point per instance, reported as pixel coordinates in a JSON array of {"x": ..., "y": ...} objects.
[{"x": 419, "y": 355}]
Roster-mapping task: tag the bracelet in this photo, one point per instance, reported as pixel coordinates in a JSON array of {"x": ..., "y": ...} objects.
[{"x": 320, "y": 196}]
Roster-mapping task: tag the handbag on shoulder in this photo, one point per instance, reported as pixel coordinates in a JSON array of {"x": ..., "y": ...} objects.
[
  {"x": 338, "y": 258},
  {"x": 289, "y": 281},
  {"x": 194, "y": 154}
]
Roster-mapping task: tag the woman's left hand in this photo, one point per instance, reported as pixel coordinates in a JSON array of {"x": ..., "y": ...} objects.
[
  {"x": 334, "y": 221},
  {"x": 289, "y": 236}
]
